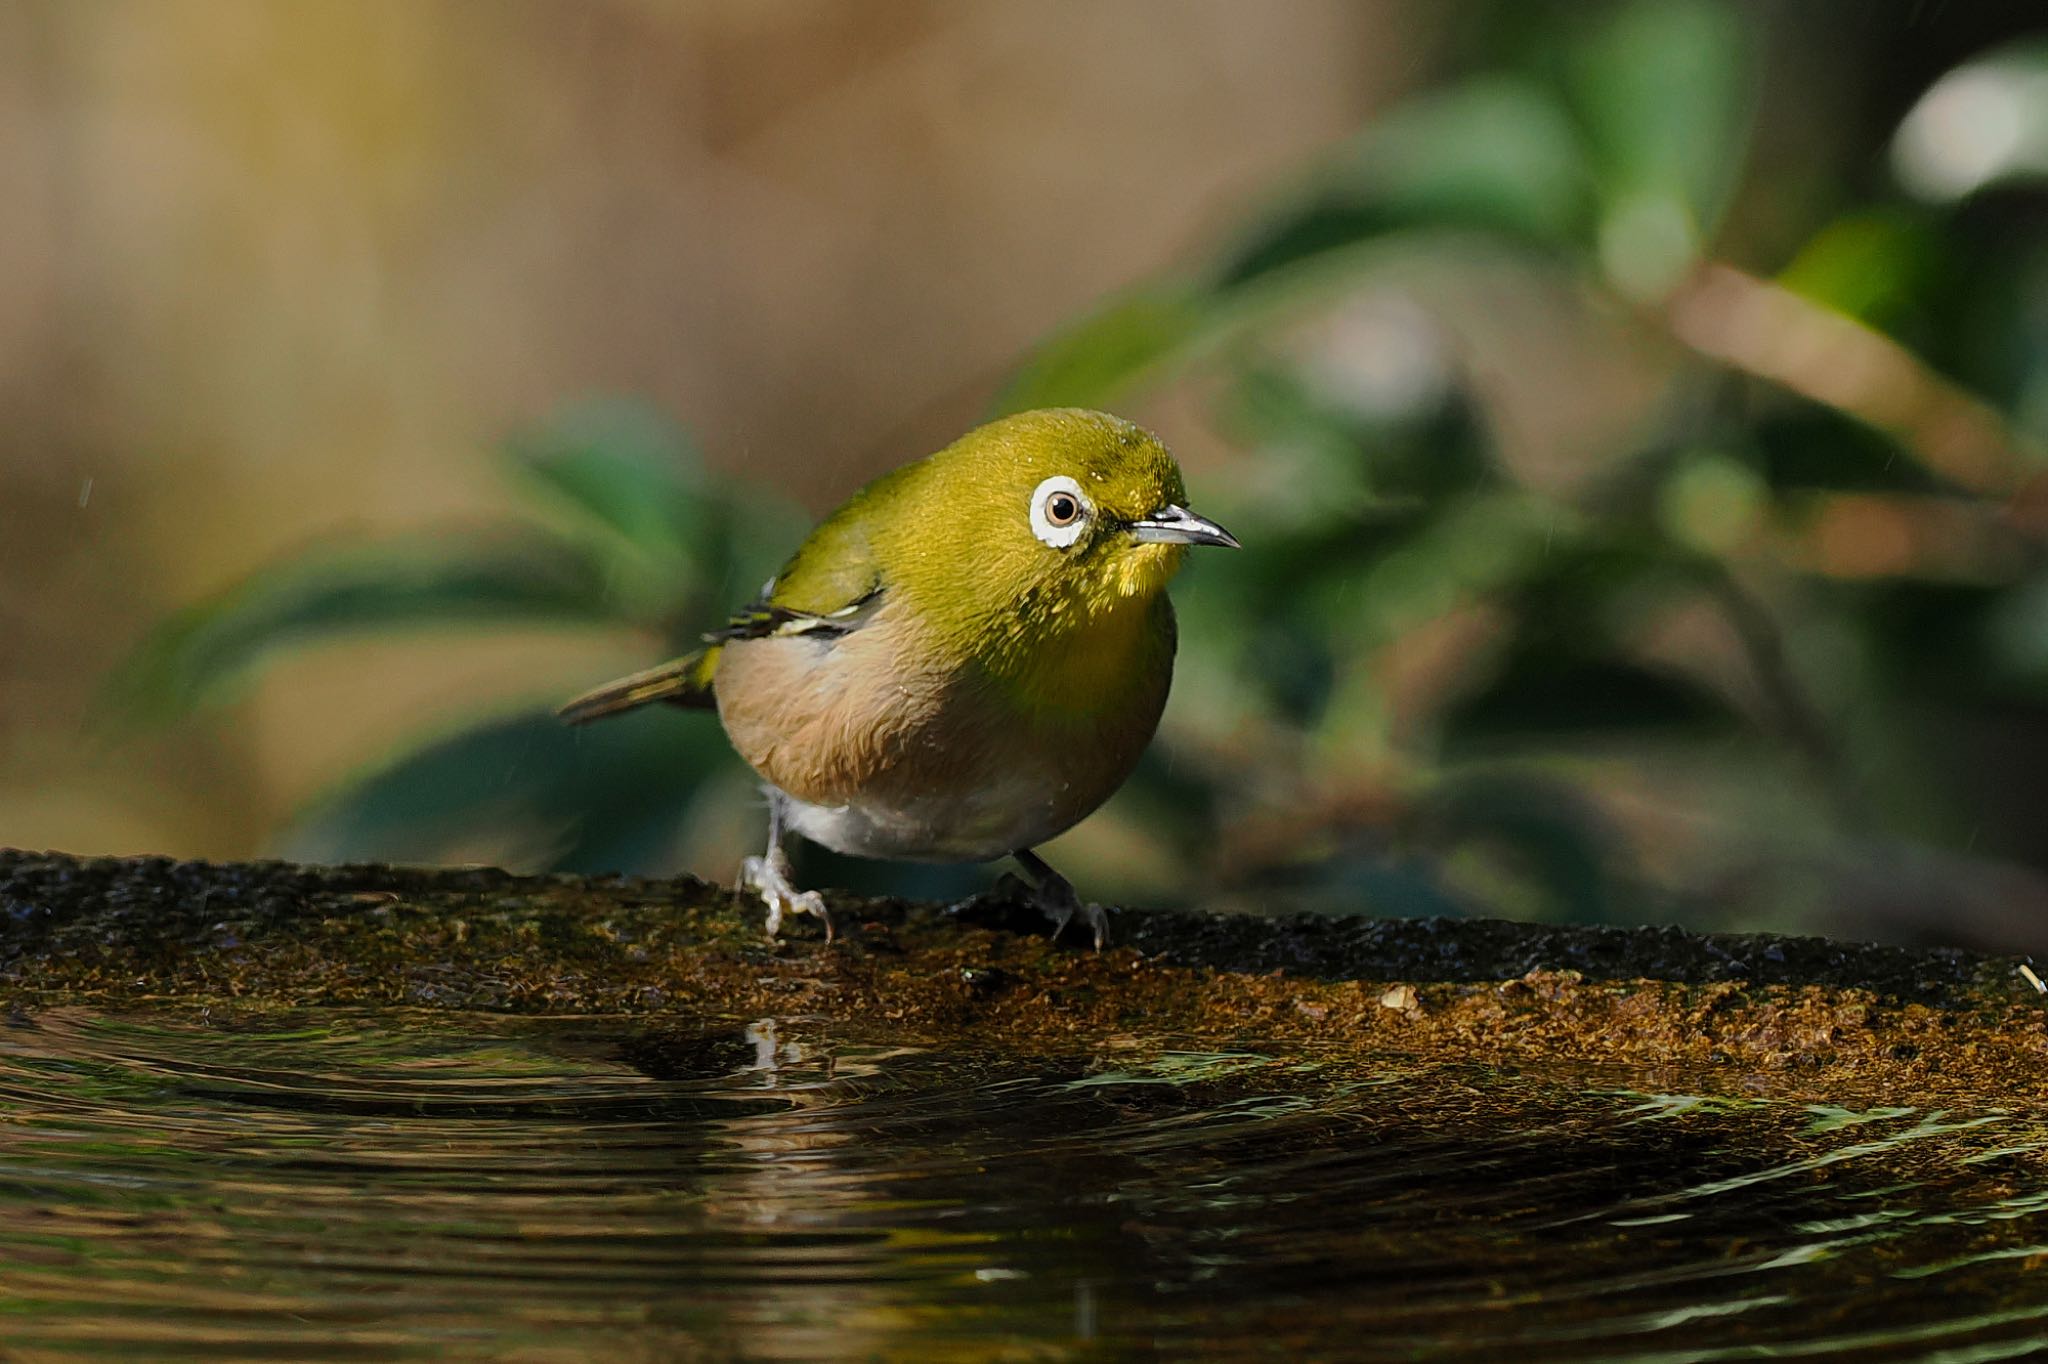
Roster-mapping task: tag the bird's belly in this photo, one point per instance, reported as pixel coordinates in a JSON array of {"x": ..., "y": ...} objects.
[
  {"x": 1013, "y": 810},
  {"x": 880, "y": 758}
]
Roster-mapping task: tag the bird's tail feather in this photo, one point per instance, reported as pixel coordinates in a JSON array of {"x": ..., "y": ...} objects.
[{"x": 685, "y": 682}]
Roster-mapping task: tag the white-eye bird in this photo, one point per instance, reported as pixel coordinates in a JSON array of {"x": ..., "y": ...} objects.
[{"x": 963, "y": 661}]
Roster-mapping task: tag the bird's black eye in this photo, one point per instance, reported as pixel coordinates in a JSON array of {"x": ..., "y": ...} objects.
[{"x": 1062, "y": 509}]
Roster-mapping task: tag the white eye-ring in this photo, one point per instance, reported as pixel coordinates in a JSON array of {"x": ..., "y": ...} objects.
[{"x": 1059, "y": 511}]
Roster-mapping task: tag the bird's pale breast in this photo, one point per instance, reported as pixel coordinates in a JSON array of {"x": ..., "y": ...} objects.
[{"x": 889, "y": 749}]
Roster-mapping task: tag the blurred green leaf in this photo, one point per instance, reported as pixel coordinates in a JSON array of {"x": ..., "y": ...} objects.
[
  {"x": 1496, "y": 154},
  {"x": 1983, "y": 124},
  {"x": 1095, "y": 361},
  {"x": 478, "y": 579},
  {"x": 1874, "y": 265},
  {"x": 1662, "y": 89},
  {"x": 624, "y": 467},
  {"x": 528, "y": 791},
  {"x": 680, "y": 544}
]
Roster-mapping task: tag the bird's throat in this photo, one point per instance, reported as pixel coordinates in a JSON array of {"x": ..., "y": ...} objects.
[{"x": 1084, "y": 660}]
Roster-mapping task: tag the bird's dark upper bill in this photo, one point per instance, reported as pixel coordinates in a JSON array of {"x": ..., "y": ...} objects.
[{"x": 1179, "y": 526}]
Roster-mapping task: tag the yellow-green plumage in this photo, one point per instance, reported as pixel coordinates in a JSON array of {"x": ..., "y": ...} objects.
[{"x": 969, "y": 655}]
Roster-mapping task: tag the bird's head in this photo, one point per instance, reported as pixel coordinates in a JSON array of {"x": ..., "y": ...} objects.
[{"x": 1055, "y": 513}]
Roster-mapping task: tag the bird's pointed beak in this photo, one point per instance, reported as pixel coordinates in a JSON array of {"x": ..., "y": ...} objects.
[{"x": 1172, "y": 525}]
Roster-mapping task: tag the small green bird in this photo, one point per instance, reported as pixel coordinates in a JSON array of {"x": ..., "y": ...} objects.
[{"x": 963, "y": 661}]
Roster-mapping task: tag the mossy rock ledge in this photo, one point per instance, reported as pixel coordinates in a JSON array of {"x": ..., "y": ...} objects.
[{"x": 1790, "y": 1015}]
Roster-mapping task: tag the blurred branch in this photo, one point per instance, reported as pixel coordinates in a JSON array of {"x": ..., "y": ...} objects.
[
  {"x": 1895, "y": 535},
  {"x": 1767, "y": 330}
]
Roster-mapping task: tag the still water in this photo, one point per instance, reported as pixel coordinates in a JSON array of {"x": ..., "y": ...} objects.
[{"x": 380, "y": 1186}]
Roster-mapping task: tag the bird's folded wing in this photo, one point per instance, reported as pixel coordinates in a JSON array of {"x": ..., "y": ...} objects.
[
  {"x": 764, "y": 618},
  {"x": 830, "y": 587}
]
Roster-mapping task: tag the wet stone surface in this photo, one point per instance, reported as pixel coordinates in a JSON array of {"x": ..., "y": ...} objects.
[
  {"x": 1877, "y": 1020},
  {"x": 277, "y": 1112}
]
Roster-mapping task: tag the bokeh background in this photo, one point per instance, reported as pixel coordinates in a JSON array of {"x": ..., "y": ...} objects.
[{"x": 1635, "y": 413}]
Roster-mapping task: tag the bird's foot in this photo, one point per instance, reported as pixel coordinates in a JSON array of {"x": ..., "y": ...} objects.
[
  {"x": 1057, "y": 899},
  {"x": 771, "y": 882}
]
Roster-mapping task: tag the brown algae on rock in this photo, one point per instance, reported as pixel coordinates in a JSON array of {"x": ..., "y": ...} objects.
[{"x": 1794, "y": 1015}]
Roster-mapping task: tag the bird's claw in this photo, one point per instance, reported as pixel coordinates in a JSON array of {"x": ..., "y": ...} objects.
[
  {"x": 1094, "y": 915},
  {"x": 1058, "y": 902},
  {"x": 761, "y": 876}
]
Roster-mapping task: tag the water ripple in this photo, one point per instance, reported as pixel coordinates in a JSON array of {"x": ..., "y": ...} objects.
[{"x": 376, "y": 1186}]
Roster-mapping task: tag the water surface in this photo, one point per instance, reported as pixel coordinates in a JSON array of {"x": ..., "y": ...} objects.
[{"x": 347, "y": 1185}]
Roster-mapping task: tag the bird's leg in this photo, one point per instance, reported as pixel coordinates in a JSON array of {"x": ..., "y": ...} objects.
[
  {"x": 768, "y": 875},
  {"x": 1056, "y": 896}
]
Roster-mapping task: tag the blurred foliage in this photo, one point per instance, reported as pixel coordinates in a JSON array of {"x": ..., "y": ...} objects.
[
  {"x": 630, "y": 531},
  {"x": 1785, "y": 637}
]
